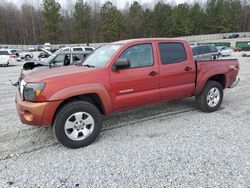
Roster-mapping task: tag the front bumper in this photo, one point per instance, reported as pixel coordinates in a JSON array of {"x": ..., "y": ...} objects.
[
  {"x": 235, "y": 83},
  {"x": 30, "y": 113},
  {"x": 36, "y": 113}
]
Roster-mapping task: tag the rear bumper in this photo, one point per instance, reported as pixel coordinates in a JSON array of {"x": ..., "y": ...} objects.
[{"x": 235, "y": 83}]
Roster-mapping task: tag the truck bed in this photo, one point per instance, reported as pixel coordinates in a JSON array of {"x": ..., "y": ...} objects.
[{"x": 225, "y": 68}]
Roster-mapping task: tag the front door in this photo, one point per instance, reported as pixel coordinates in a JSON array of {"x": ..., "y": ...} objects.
[{"x": 139, "y": 84}]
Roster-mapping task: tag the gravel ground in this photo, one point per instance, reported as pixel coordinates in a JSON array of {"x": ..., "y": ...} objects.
[{"x": 170, "y": 144}]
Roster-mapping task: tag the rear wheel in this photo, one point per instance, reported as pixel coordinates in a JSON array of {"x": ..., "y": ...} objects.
[
  {"x": 211, "y": 97},
  {"x": 77, "y": 124}
]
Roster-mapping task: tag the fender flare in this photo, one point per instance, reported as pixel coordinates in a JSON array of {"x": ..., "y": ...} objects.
[
  {"x": 77, "y": 90},
  {"x": 202, "y": 79}
]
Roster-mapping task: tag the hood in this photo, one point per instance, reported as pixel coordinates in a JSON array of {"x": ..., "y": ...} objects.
[{"x": 58, "y": 73}]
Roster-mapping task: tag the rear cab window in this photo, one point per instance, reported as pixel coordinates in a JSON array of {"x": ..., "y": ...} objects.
[{"x": 172, "y": 52}]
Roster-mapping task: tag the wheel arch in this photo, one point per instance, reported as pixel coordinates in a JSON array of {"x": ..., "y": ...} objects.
[
  {"x": 220, "y": 78},
  {"x": 93, "y": 93}
]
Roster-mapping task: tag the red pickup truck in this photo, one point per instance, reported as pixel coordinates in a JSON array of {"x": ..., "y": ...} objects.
[{"x": 119, "y": 76}]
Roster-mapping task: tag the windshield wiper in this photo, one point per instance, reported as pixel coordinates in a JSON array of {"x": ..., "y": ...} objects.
[{"x": 90, "y": 66}]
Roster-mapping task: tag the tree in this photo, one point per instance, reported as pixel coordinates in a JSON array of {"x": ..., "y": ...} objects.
[
  {"x": 162, "y": 20},
  {"x": 148, "y": 23},
  {"x": 2, "y": 32},
  {"x": 82, "y": 17},
  {"x": 182, "y": 24},
  {"x": 134, "y": 21},
  {"x": 112, "y": 25},
  {"x": 197, "y": 17},
  {"x": 52, "y": 16},
  {"x": 223, "y": 15}
]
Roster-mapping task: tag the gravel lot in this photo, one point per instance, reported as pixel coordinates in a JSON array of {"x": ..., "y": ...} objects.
[{"x": 170, "y": 144}]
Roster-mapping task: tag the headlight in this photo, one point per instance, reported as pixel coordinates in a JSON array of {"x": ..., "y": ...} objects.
[{"x": 32, "y": 90}]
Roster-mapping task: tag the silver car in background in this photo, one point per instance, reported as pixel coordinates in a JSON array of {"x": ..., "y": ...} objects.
[{"x": 224, "y": 51}]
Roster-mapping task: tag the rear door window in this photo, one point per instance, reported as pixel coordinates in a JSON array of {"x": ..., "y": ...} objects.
[{"x": 172, "y": 52}]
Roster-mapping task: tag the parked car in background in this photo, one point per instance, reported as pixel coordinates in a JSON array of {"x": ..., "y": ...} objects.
[
  {"x": 31, "y": 49},
  {"x": 38, "y": 48},
  {"x": 205, "y": 52},
  {"x": 44, "y": 54},
  {"x": 7, "y": 58},
  {"x": 55, "y": 60},
  {"x": 47, "y": 46},
  {"x": 224, "y": 50},
  {"x": 83, "y": 48},
  {"x": 78, "y": 48},
  {"x": 21, "y": 55}
]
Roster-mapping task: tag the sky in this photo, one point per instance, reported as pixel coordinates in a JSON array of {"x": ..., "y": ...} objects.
[{"x": 119, "y": 3}]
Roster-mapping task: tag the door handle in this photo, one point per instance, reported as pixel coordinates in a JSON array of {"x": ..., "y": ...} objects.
[
  {"x": 152, "y": 73},
  {"x": 188, "y": 68}
]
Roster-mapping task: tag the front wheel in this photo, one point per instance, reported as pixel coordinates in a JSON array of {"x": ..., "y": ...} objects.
[
  {"x": 77, "y": 124},
  {"x": 211, "y": 97}
]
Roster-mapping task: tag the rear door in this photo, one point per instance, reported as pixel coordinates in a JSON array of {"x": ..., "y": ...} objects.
[
  {"x": 177, "y": 70},
  {"x": 139, "y": 84}
]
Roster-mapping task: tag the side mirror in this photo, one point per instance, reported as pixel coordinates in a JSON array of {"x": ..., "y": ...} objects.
[{"x": 121, "y": 63}]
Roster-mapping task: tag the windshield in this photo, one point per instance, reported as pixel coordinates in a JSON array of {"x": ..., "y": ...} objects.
[{"x": 101, "y": 56}]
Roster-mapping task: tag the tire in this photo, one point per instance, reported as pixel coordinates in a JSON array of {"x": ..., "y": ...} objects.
[
  {"x": 27, "y": 57},
  {"x": 211, "y": 97},
  {"x": 71, "y": 127}
]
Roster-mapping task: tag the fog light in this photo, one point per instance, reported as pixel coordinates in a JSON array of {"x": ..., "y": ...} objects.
[{"x": 28, "y": 116}]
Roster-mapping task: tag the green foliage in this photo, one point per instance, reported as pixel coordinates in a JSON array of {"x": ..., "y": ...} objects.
[
  {"x": 2, "y": 30},
  {"x": 83, "y": 22},
  {"x": 162, "y": 21},
  {"x": 82, "y": 17},
  {"x": 223, "y": 15},
  {"x": 51, "y": 13},
  {"x": 112, "y": 23},
  {"x": 197, "y": 17},
  {"x": 182, "y": 24},
  {"x": 148, "y": 23},
  {"x": 134, "y": 21}
]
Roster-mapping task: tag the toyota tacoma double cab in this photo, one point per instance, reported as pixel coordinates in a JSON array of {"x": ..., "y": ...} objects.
[{"x": 118, "y": 76}]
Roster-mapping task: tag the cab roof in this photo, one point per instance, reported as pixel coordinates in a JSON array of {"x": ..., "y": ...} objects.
[{"x": 123, "y": 42}]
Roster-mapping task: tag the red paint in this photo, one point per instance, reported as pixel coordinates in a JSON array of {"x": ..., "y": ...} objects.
[{"x": 128, "y": 88}]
